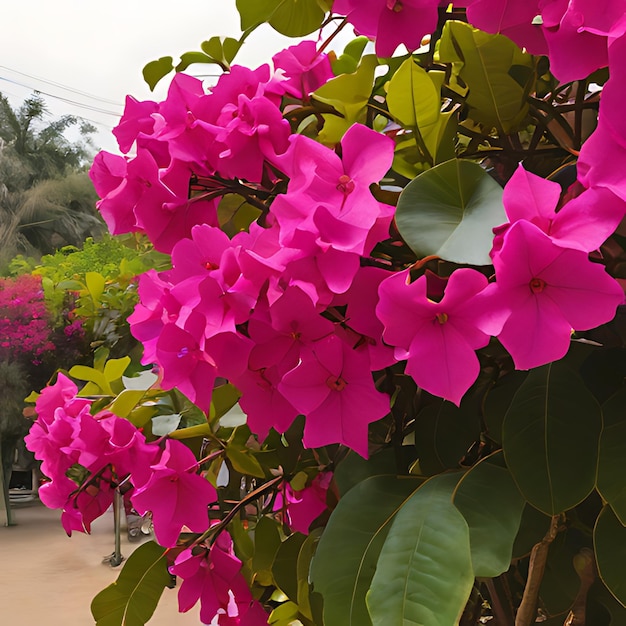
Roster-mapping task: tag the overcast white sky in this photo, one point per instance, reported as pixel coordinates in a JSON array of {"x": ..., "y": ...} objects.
[{"x": 100, "y": 47}]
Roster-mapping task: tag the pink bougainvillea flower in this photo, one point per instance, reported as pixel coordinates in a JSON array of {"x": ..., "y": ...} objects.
[
  {"x": 214, "y": 578},
  {"x": 61, "y": 394},
  {"x": 573, "y": 33},
  {"x": 583, "y": 223},
  {"x": 304, "y": 506},
  {"x": 391, "y": 22},
  {"x": 293, "y": 322},
  {"x": 602, "y": 159},
  {"x": 137, "y": 119},
  {"x": 264, "y": 406},
  {"x": 550, "y": 291},
  {"x": 439, "y": 339},
  {"x": 175, "y": 494},
  {"x": 304, "y": 67},
  {"x": 338, "y": 190},
  {"x": 333, "y": 387},
  {"x": 513, "y": 19}
]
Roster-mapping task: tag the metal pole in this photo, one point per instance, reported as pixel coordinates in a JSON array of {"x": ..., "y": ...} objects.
[{"x": 117, "y": 557}]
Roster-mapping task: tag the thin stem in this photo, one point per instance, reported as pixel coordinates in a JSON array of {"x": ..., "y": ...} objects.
[
  {"x": 327, "y": 42},
  {"x": 215, "y": 530}
]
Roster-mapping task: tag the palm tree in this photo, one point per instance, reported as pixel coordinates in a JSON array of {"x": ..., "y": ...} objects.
[{"x": 46, "y": 198}]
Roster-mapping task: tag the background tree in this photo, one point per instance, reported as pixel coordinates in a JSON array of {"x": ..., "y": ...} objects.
[{"x": 46, "y": 199}]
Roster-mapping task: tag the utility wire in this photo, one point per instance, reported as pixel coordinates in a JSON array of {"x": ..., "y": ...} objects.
[
  {"x": 61, "y": 86},
  {"x": 66, "y": 100}
]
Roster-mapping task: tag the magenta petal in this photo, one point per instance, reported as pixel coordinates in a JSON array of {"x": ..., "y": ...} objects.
[
  {"x": 530, "y": 197},
  {"x": 588, "y": 220},
  {"x": 536, "y": 333},
  {"x": 441, "y": 362}
]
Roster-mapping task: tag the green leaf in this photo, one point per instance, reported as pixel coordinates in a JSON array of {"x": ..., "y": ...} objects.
[
  {"x": 348, "y": 94},
  {"x": 284, "y": 568},
  {"x": 450, "y": 211},
  {"x": 223, "y": 400},
  {"x": 266, "y": 544},
  {"x": 444, "y": 434},
  {"x": 133, "y": 597},
  {"x": 293, "y": 18},
  {"x": 83, "y": 372},
  {"x": 114, "y": 368},
  {"x": 611, "y": 480},
  {"x": 244, "y": 462},
  {"x": 498, "y": 400},
  {"x": 413, "y": 98},
  {"x": 424, "y": 573},
  {"x": 200, "y": 430},
  {"x": 550, "y": 438},
  {"x": 609, "y": 540},
  {"x": 492, "y": 506},
  {"x": 354, "y": 468},
  {"x": 95, "y": 285},
  {"x": 498, "y": 74},
  {"x": 533, "y": 528},
  {"x": 126, "y": 401},
  {"x": 154, "y": 71},
  {"x": 348, "y": 61},
  {"x": 303, "y": 567},
  {"x": 346, "y": 556},
  {"x": 188, "y": 58}
]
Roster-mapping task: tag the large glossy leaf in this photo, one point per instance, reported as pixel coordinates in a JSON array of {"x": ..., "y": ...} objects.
[
  {"x": 609, "y": 539},
  {"x": 354, "y": 468},
  {"x": 133, "y": 597},
  {"x": 492, "y": 506},
  {"x": 294, "y": 18},
  {"x": 550, "y": 438},
  {"x": 443, "y": 435},
  {"x": 498, "y": 74},
  {"x": 424, "y": 573},
  {"x": 450, "y": 211},
  {"x": 346, "y": 556},
  {"x": 611, "y": 475}
]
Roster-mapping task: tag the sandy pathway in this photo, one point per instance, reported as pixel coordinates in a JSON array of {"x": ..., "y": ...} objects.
[{"x": 48, "y": 579}]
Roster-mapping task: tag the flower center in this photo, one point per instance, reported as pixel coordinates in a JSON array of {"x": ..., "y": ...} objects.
[
  {"x": 345, "y": 184},
  {"x": 336, "y": 383},
  {"x": 210, "y": 266},
  {"x": 442, "y": 318},
  {"x": 537, "y": 285},
  {"x": 394, "y": 5}
]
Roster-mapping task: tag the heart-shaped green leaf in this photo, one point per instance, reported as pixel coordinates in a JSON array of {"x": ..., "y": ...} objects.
[{"x": 450, "y": 211}]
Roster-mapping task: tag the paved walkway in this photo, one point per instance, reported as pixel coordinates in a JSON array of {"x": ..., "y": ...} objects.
[{"x": 49, "y": 579}]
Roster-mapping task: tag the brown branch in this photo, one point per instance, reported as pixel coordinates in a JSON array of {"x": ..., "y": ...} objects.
[{"x": 527, "y": 612}]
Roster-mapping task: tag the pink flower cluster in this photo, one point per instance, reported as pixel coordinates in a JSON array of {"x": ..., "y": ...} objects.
[
  {"x": 236, "y": 130},
  {"x": 25, "y": 323},
  {"x": 86, "y": 456},
  {"x": 254, "y": 308},
  {"x": 213, "y": 576}
]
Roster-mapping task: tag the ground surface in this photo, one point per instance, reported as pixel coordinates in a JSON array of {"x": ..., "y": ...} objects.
[{"x": 49, "y": 579}]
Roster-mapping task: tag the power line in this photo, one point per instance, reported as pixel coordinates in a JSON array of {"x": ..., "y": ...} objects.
[
  {"x": 61, "y": 86},
  {"x": 66, "y": 100}
]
